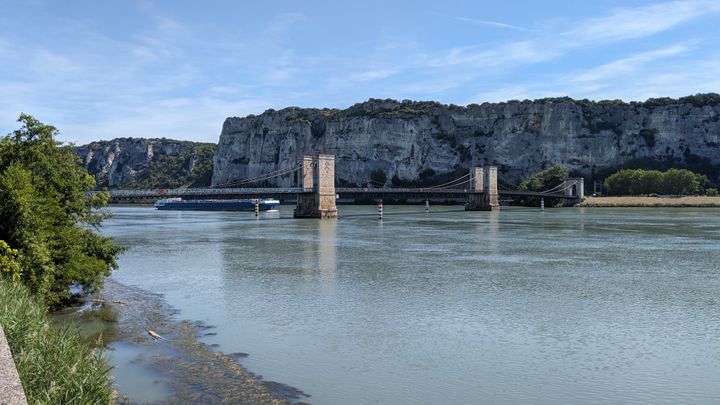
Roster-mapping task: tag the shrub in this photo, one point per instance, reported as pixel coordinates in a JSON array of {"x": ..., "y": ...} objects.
[
  {"x": 638, "y": 182},
  {"x": 54, "y": 365},
  {"x": 378, "y": 178},
  {"x": 712, "y": 192},
  {"x": 46, "y": 217},
  {"x": 546, "y": 179}
]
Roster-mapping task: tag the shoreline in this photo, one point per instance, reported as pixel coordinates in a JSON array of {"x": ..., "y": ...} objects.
[
  {"x": 650, "y": 202},
  {"x": 181, "y": 367}
]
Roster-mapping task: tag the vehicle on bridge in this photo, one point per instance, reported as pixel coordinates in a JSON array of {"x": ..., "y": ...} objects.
[{"x": 261, "y": 204}]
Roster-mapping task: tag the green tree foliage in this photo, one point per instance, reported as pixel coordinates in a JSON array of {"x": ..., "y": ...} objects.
[
  {"x": 639, "y": 182},
  {"x": 546, "y": 179},
  {"x": 378, "y": 178},
  {"x": 46, "y": 218},
  {"x": 189, "y": 168}
]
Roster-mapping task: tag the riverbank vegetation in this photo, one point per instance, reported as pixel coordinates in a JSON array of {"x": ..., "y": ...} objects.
[
  {"x": 54, "y": 365},
  {"x": 47, "y": 220},
  {"x": 654, "y": 182},
  {"x": 549, "y": 180},
  {"x": 50, "y": 255}
]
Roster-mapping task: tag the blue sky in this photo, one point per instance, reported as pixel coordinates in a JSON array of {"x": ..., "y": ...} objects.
[{"x": 177, "y": 69}]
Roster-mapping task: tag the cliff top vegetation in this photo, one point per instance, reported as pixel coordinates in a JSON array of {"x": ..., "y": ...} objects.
[{"x": 390, "y": 107}]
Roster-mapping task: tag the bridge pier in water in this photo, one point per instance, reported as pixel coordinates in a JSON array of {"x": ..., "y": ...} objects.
[
  {"x": 317, "y": 177},
  {"x": 574, "y": 190},
  {"x": 483, "y": 180}
]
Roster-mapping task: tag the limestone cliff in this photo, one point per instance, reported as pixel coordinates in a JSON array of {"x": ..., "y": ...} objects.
[
  {"x": 148, "y": 163},
  {"x": 419, "y": 142}
]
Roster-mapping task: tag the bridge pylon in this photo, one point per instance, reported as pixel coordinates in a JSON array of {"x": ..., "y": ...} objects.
[
  {"x": 483, "y": 186},
  {"x": 317, "y": 179},
  {"x": 574, "y": 189}
]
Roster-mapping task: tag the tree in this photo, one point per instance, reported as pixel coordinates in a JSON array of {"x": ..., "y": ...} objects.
[
  {"x": 378, "y": 178},
  {"x": 46, "y": 218},
  {"x": 548, "y": 179},
  {"x": 638, "y": 182},
  {"x": 680, "y": 182}
]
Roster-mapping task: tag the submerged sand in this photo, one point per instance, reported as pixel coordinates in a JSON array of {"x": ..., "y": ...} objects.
[{"x": 194, "y": 372}]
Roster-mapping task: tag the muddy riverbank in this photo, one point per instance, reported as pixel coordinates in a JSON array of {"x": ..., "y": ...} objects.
[{"x": 178, "y": 368}]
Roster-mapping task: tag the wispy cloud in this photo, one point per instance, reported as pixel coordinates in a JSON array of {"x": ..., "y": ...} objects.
[
  {"x": 633, "y": 23},
  {"x": 172, "y": 76},
  {"x": 636, "y": 77},
  {"x": 493, "y": 24},
  {"x": 630, "y": 64},
  {"x": 621, "y": 24}
]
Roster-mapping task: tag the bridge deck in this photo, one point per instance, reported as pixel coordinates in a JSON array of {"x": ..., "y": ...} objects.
[{"x": 282, "y": 191}]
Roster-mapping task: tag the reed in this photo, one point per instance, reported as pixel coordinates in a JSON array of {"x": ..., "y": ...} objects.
[{"x": 54, "y": 365}]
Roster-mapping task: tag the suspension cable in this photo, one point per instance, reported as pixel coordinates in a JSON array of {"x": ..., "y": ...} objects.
[
  {"x": 553, "y": 188},
  {"x": 449, "y": 182},
  {"x": 449, "y": 186},
  {"x": 261, "y": 177}
]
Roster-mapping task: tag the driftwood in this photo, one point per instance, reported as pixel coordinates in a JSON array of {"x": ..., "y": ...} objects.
[{"x": 154, "y": 335}]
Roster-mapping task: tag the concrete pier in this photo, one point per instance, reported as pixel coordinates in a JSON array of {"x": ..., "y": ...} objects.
[
  {"x": 318, "y": 175},
  {"x": 485, "y": 179},
  {"x": 574, "y": 190}
]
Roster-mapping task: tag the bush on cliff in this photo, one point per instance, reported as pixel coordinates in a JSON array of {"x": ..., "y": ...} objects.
[
  {"x": 644, "y": 182},
  {"x": 46, "y": 219},
  {"x": 54, "y": 365}
]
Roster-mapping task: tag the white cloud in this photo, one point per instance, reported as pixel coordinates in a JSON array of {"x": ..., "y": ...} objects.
[
  {"x": 632, "y": 23},
  {"x": 169, "y": 80},
  {"x": 372, "y": 75},
  {"x": 622, "y": 24},
  {"x": 494, "y": 24},
  {"x": 630, "y": 64}
]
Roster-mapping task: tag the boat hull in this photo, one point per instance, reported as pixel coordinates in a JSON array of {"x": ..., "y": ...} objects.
[{"x": 217, "y": 205}]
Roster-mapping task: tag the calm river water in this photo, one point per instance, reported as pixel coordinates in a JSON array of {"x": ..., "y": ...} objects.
[{"x": 521, "y": 306}]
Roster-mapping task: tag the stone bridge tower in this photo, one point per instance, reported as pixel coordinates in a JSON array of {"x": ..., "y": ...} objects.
[
  {"x": 574, "y": 190},
  {"x": 318, "y": 181},
  {"x": 483, "y": 179}
]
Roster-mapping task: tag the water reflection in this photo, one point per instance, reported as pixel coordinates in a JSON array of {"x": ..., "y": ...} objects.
[
  {"x": 327, "y": 231},
  {"x": 569, "y": 305}
]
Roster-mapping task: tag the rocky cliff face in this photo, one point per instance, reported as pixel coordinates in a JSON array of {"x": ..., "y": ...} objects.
[
  {"x": 418, "y": 142},
  {"x": 148, "y": 163}
]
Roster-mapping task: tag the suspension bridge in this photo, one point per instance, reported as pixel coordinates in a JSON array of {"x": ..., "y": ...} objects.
[{"x": 317, "y": 195}]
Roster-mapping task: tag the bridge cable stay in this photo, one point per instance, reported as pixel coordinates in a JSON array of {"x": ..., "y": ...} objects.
[
  {"x": 565, "y": 188},
  {"x": 512, "y": 186},
  {"x": 502, "y": 188},
  {"x": 450, "y": 186},
  {"x": 246, "y": 180},
  {"x": 249, "y": 181},
  {"x": 554, "y": 189},
  {"x": 261, "y": 177},
  {"x": 449, "y": 182}
]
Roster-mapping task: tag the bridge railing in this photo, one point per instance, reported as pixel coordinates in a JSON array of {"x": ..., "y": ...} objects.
[
  {"x": 400, "y": 190},
  {"x": 209, "y": 192},
  {"x": 190, "y": 192}
]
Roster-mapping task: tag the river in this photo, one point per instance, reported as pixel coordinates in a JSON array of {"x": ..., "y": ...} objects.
[{"x": 574, "y": 305}]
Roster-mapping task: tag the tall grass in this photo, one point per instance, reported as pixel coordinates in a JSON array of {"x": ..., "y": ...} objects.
[{"x": 55, "y": 366}]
